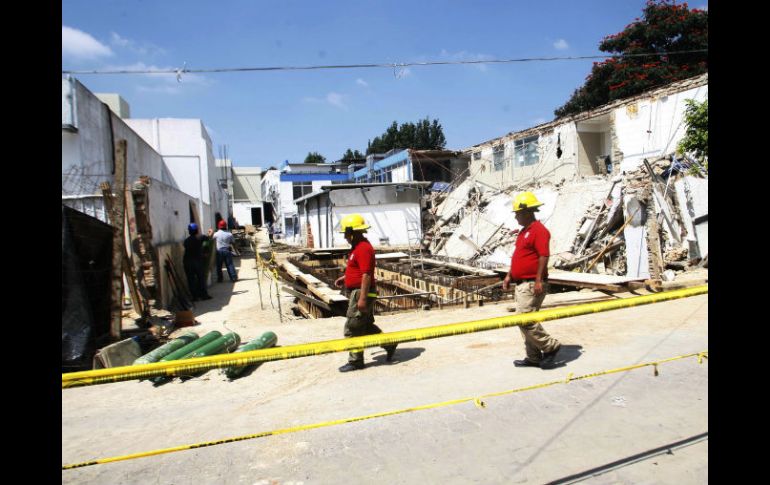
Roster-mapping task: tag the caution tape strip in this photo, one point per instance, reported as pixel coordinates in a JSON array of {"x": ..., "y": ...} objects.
[
  {"x": 478, "y": 402},
  {"x": 357, "y": 344}
]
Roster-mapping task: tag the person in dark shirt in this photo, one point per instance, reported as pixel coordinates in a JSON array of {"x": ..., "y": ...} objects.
[
  {"x": 529, "y": 272},
  {"x": 361, "y": 287},
  {"x": 194, "y": 262}
]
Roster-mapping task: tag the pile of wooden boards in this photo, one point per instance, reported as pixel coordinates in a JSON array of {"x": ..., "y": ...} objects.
[{"x": 315, "y": 299}]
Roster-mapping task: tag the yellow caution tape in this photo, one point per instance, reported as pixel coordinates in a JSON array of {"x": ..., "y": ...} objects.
[
  {"x": 476, "y": 400},
  {"x": 357, "y": 344}
]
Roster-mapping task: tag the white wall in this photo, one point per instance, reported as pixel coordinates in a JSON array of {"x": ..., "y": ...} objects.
[
  {"x": 550, "y": 167},
  {"x": 663, "y": 116},
  {"x": 188, "y": 154},
  {"x": 386, "y": 220},
  {"x": 242, "y": 212}
]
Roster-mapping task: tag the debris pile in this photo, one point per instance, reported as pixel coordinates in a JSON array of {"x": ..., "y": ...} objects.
[{"x": 637, "y": 224}]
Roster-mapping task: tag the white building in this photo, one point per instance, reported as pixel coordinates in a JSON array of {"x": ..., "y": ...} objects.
[
  {"x": 247, "y": 195},
  {"x": 187, "y": 153},
  {"x": 391, "y": 209},
  {"x": 618, "y": 135},
  {"x": 89, "y": 130},
  {"x": 281, "y": 187}
]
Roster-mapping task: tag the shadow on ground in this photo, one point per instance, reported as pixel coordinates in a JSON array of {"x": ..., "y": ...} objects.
[
  {"x": 402, "y": 354},
  {"x": 566, "y": 354}
]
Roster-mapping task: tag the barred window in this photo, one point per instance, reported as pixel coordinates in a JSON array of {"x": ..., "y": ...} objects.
[
  {"x": 498, "y": 156},
  {"x": 525, "y": 151}
]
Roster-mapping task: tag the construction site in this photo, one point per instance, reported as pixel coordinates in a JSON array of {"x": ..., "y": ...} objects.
[
  {"x": 527, "y": 307},
  {"x": 285, "y": 298}
]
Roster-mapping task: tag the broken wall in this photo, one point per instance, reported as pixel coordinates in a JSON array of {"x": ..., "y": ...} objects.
[
  {"x": 692, "y": 194},
  {"x": 558, "y": 155},
  {"x": 652, "y": 127}
]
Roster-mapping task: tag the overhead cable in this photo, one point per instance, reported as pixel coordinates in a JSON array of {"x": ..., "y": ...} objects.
[{"x": 183, "y": 70}]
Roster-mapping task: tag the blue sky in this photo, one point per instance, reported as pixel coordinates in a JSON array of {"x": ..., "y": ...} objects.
[{"x": 267, "y": 117}]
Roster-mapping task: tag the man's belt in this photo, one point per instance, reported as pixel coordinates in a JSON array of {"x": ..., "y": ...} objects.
[
  {"x": 526, "y": 280},
  {"x": 371, "y": 294}
]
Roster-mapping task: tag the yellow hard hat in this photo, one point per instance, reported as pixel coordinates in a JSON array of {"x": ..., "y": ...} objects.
[
  {"x": 525, "y": 200},
  {"x": 353, "y": 221}
]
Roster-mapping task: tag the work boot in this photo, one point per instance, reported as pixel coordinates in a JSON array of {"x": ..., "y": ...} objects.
[
  {"x": 549, "y": 357},
  {"x": 525, "y": 363},
  {"x": 206, "y": 297},
  {"x": 351, "y": 366},
  {"x": 389, "y": 351}
]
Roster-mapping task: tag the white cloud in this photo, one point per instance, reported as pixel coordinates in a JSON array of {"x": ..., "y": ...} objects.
[
  {"x": 165, "y": 83},
  {"x": 561, "y": 44},
  {"x": 143, "y": 48},
  {"x": 361, "y": 82},
  {"x": 77, "y": 45},
  {"x": 336, "y": 99}
]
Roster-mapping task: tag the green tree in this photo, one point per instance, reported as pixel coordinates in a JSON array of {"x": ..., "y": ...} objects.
[
  {"x": 696, "y": 138},
  {"x": 423, "y": 135},
  {"x": 664, "y": 27},
  {"x": 351, "y": 155},
  {"x": 315, "y": 157}
]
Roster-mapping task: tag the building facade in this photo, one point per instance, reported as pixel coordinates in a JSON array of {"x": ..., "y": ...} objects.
[{"x": 612, "y": 138}]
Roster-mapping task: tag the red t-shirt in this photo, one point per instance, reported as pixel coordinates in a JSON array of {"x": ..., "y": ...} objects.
[
  {"x": 531, "y": 243},
  {"x": 360, "y": 262}
]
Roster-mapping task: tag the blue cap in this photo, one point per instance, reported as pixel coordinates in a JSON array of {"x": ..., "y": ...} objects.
[{"x": 192, "y": 227}]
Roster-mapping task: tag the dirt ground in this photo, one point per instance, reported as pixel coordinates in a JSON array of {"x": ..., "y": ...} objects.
[{"x": 128, "y": 417}]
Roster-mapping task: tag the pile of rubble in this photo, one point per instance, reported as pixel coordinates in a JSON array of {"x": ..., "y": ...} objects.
[
  {"x": 638, "y": 224},
  {"x": 641, "y": 228}
]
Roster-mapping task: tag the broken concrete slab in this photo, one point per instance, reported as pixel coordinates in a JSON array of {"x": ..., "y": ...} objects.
[{"x": 692, "y": 195}]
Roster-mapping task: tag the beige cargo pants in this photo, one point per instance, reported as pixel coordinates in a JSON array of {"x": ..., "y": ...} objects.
[
  {"x": 359, "y": 323},
  {"x": 536, "y": 339}
]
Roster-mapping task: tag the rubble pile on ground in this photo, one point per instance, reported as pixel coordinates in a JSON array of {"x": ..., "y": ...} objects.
[
  {"x": 627, "y": 225},
  {"x": 642, "y": 199}
]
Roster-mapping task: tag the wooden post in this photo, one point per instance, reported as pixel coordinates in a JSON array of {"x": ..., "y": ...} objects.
[
  {"x": 653, "y": 242},
  {"x": 118, "y": 240},
  {"x": 128, "y": 267}
]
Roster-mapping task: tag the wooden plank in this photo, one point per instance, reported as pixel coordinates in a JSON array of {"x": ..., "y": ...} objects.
[
  {"x": 584, "y": 284},
  {"x": 306, "y": 298},
  {"x": 594, "y": 278},
  {"x": 118, "y": 239},
  {"x": 128, "y": 269},
  {"x": 386, "y": 256},
  {"x": 461, "y": 267},
  {"x": 314, "y": 285}
]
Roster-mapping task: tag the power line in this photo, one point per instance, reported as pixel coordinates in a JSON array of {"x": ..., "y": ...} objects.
[{"x": 391, "y": 65}]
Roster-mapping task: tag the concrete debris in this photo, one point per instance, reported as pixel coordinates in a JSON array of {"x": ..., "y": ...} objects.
[{"x": 631, "y": 225}]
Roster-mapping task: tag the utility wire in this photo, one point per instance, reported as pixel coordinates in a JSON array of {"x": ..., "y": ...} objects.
[{"x": 392, "y": 65}]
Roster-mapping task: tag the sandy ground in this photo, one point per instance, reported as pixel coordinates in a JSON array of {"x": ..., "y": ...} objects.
[{"x": 529, "y": 437}]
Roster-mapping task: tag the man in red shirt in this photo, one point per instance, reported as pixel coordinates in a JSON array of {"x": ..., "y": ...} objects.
[
  {"x": 359, "y": 283},
  {"x": 529, "y": 272}
]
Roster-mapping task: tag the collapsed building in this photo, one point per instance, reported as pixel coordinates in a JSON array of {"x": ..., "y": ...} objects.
[{"x": 622, "y": 207}]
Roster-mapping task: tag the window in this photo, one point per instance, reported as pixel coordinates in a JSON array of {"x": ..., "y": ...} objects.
[
  {"x": 525, "y": 151},
  {"x": 301, "y": 189},
  {"x": 498, "y": 156},
  {"x": 477, "y": 155}
]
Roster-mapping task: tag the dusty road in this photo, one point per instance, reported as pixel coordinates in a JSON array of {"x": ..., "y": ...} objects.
[{"x": 527, "y": 437}]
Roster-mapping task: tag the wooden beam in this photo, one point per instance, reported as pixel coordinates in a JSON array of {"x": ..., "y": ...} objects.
[
  {"x": 306, "y": 298},
  {"x": 460, "y": 267},
  {"x": 118, "y": 238},
  {"x": 128, "y": 267}
]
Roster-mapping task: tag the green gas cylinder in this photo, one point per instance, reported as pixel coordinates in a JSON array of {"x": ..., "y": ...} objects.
[
  {"x": 267, "y": 340},
  {"x": 167, "y": 348},
  {"x": 226, "y": 343}
]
